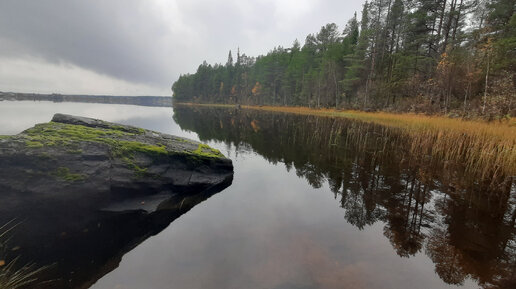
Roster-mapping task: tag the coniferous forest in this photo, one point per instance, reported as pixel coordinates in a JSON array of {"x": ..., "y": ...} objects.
[{"x": 433, "y": 56}]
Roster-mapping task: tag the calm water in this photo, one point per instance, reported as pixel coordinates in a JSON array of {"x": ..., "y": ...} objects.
[{"x": 315, "y": 203}]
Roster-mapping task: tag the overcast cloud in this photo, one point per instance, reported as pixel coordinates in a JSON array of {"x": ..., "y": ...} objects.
[{"x": 140, "y": 47}]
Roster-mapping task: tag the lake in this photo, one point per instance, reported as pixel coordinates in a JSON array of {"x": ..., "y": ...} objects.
[{"x": 316, "y": 202}]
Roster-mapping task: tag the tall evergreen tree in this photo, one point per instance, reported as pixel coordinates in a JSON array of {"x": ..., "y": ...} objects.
[{"x": 433, "y": 55}]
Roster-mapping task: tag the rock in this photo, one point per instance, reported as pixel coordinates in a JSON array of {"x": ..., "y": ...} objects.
[
  {"x": 81, "y": 184},
  {"x": 81, "y": 152}
]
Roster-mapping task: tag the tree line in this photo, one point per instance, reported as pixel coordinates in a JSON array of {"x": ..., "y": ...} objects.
[{"x": 410, "y": 55}]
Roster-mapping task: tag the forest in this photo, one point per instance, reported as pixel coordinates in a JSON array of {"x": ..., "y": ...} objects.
[{"x": 455, "y": 57}]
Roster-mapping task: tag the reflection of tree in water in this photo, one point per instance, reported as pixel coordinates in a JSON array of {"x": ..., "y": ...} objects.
[
  {"x": 446, "y": 257},
  {"x": 466, "y": 226},
  {"x": 475, "y": 237},
  {"x": 406, "y": 216}
]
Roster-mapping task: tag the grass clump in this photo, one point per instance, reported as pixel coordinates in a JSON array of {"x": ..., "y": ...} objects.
[
  {"x": 11, "y": 275},
  {"x": 13, "y": 278}
]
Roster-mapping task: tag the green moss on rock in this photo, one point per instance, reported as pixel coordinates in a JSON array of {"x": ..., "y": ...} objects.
[
  {"x": 33, "y": 144},
  {"x": 124, "y": 143},
  {"x": 138, "y": 171},
  {"x": 53, "y": 133},
  {"x": 125, "y": 147},
  {"x": 64, "y": 173},
  {"x": 206, "y": 151},
  {"x": 74, "y": 151}
]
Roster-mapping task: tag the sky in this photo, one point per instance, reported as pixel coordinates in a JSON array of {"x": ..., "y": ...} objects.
[{"x": 140, "y": 47}]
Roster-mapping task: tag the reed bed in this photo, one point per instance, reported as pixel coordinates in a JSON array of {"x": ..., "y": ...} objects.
[
  {"x": 13, "y": 276},
  {"x": 486, "y": 150}
]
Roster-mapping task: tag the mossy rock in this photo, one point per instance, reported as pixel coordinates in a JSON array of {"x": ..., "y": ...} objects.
[
  {"x": 99, "y": 188},
  {"x": 75, "y": 149}
]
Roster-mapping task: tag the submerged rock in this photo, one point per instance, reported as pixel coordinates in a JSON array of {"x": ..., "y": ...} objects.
[{"x": 85, "y": 191}]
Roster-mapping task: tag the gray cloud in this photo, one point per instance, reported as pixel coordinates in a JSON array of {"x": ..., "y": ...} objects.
[{"x": 153, "y": 42}]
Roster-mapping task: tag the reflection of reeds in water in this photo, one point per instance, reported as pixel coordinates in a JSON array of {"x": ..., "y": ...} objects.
[
  {"x": 11, "y": 275},
  {"x": 476, "y": 150},
  {"x": 477, "y": 155},
  {"x": 487, "y": 151}
]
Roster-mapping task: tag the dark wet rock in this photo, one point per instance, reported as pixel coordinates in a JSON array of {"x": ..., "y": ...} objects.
[
  {"x": 83, "y": 153},
  {"x": 85, "y": 191}
]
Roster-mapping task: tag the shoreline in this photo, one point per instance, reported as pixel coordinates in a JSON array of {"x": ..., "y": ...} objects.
[
  {"x": 488, "y": 148},
  {"x": 402, "y": 120}
]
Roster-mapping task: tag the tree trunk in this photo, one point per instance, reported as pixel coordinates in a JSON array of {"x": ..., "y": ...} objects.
[
  {"x": 448, "y": 25},
  {"x": 457, "y": 19},
  {"x": 336, "y": 87},
  {"x": 439, "y": 30},
  {"x": 318, "y": 92},
  {"x": 487, "y": 79}
]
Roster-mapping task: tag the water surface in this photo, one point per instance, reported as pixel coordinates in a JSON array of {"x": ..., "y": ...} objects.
[{"x": 315, "y": 203}]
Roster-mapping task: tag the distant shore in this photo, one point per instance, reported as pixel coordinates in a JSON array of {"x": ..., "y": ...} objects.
[{"x": 159, "y": 101}]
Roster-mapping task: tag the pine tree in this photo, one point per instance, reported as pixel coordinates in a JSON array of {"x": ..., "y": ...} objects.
[{"x": 229, "y": 63}]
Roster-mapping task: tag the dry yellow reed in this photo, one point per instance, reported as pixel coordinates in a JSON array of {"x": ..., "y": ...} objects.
[{"x": 486, "y": 148}]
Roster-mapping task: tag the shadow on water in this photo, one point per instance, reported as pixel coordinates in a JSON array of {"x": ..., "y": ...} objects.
[
  {"x": 78, "y": 247},
  {"x": 464, "y": 224}
]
